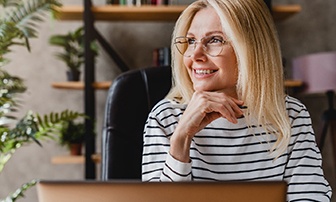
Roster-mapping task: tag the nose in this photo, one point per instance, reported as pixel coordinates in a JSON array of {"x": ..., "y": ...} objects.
[{"x": 198, "y": 51}]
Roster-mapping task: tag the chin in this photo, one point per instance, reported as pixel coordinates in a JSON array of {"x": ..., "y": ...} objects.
[{"x": 202, "y": 88}]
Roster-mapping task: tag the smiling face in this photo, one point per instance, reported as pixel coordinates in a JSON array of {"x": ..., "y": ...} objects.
[{"x": 210, "y": 73}]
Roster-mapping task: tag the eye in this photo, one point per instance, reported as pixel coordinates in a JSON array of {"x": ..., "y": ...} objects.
[
  {"x": 215, "y": 40},
  {"x": 191, "y": 41}
]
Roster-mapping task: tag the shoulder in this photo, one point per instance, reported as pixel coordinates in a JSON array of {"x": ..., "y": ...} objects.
[
  {"x": 167, "y": 108},
  {"x": 165, "y": 115},
  {"x": 293, "y": 102},
  {"x": 301, "y": 124},
  {"x": 297, "y": 111},
  {"x": 294, "y": 106}
]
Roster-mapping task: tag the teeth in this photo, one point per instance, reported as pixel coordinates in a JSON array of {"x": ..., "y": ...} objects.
[{"x": 204, "y": 71}]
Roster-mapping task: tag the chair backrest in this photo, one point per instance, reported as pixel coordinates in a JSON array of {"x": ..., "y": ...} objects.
[{"x": 130, "y": 99}]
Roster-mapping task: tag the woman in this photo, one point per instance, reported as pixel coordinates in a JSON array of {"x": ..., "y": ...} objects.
[{"x": 227, "y": 116}]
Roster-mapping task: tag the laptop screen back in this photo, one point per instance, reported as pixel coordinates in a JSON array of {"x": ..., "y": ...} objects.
[{"x": 124, "y": 191}]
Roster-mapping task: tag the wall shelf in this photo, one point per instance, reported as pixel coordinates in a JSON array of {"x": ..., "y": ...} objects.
[
  {"x": 78, "y": 85},
  {"x": 282, "y": 12},
  {"x": 69, "y": 159},
  {"x": 151, "y": 13},
  {"x": 124, "y": 13},
  {"x": 293, "y": 83},
  {"x": 72, "y": 85}
]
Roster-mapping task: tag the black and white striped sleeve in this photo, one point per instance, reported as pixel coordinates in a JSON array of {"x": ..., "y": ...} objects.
[
  {"x": 304, "y": 173},
  {"x": 157, "y": 163}
]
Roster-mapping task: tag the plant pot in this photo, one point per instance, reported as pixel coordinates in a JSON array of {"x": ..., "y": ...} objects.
[
  {"x": 73, "y": 75},
  {"x": 75, "y": 149}
]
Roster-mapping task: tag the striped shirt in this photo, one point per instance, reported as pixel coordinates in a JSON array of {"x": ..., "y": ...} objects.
[{"x": 224, "y": 151}]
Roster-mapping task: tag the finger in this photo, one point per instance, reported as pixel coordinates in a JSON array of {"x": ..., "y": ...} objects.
[
  {"x": 236, "y": 104},
  {"x": 232, "y": 115},
  {"x": 208, "y": 102},
  {"x": 225, "y": 110}
]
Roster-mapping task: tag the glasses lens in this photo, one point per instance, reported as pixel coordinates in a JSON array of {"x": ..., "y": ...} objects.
[
  {"x": 181, "y": 44},
  {"x": 213, "y": 45}
]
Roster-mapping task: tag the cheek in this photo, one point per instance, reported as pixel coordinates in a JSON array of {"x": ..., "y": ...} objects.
[
  {"x": 187, "y": 63},
  {"x": 235, "y": 65},
  {"x": 234, "y": 71},
  {"x": 232, "y": 63},
  {"x": 228, "y": 65}
]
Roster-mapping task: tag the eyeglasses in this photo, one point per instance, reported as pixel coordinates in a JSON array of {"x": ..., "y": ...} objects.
[{"x": 212, "y": 45}]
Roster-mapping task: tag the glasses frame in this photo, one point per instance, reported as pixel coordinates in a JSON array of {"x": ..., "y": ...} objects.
[{"x": 195, "y": 45}]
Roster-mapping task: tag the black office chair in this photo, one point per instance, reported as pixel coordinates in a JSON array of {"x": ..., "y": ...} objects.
[{"x": 130, "y": 99}]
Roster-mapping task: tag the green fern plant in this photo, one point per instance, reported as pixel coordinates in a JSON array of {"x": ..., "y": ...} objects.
[
  {"x": 32, "y": 128},
  {"x": 19, "y": 193},
  {"x": 18, "y": 23}
]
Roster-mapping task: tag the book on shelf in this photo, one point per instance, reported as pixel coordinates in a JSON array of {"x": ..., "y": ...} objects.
[
  {"x": 112, "y": 1},
  {"x": 148, "y": 2},
  {"x": 161, "y": 57}
]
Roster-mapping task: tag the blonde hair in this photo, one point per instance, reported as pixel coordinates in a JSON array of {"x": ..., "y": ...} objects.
[{"x": 252, "y": 34}]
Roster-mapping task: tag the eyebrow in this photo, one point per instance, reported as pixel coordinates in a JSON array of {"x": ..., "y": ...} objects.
[{"x": 209, "y": 33}]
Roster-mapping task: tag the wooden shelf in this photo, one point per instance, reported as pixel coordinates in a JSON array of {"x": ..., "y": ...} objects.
[
  {"x": 78, "y": 85},
  {"x": 282, "y": 12},
  {"x": 152, "y": 13},
  {"x": 124, "y": 13},
  {"x": 68, "y": 159},
  {"x": 293, "y": 83},
  {"x": 106, "y": 85}
]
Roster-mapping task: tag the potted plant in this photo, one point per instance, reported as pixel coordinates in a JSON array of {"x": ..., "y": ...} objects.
[
  {"x": 18, "y": 20},
  {"x": 72, "y": 136},
  {"x": 72, "y": 55}
]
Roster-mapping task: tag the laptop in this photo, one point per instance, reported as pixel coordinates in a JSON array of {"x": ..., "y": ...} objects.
[{"x": 133, "y": 191}]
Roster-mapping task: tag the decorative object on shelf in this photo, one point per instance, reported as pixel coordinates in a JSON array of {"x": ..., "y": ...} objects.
[
  {"x": 72, "y": 135},
  {"x": 161, "y": 57},
  {"x": 112, "y": 2},
  {"x": 73, "y": 51},
  {"x": 18, "y": 21},
  {"x": 139, "y": 2},
  {"x": 317, "y": 71}
]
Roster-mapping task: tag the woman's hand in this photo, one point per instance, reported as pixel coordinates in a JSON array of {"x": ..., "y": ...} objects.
[{"x": 203, "y": 108}]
